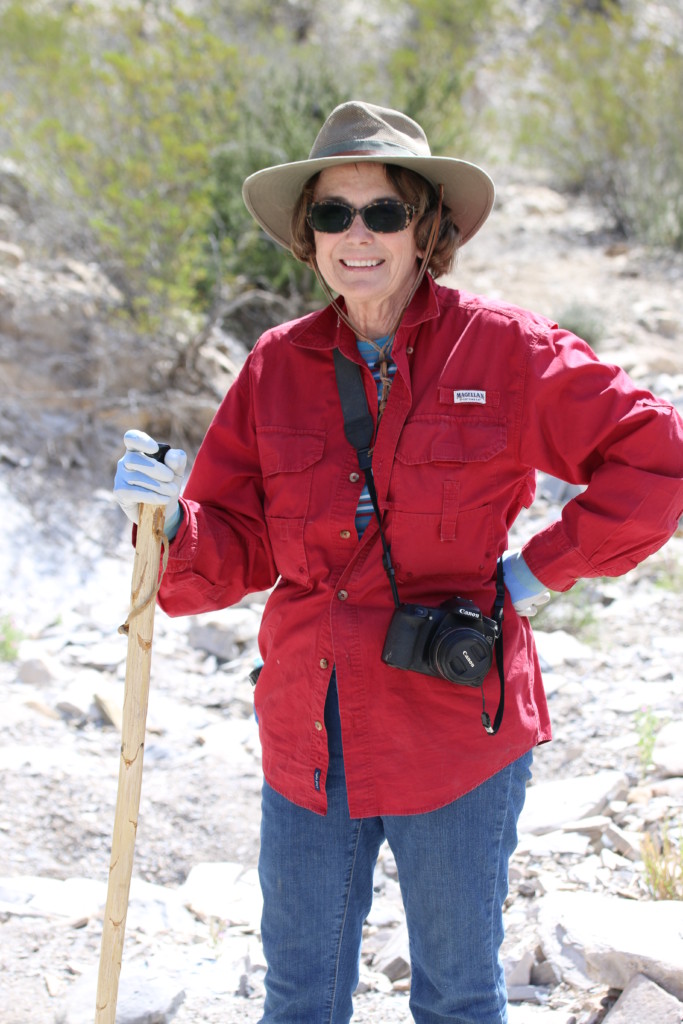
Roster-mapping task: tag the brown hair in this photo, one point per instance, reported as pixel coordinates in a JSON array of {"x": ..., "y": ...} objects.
[{"x": 413, "y": 189}]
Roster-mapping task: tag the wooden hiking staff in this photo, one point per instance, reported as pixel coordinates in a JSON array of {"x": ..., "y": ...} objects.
[{"x": 140, "y": 629}]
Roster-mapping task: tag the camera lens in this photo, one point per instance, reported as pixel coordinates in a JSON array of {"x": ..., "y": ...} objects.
[{"x": 461, "y": 655}]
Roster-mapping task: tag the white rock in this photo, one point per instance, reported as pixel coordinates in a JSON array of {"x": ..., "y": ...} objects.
[
  {"x": 559, "y": 647},
  {"x": 557, "y": 842},
  {"x": 550, "y": 805},
  {"x": 527, "y": 1013},
  {"x": 143, "y": 995},
  {"x": 518, "y": 964},
  {"x": 668, "y": 750},
  {"x": 394, "y": 959},
  {"x": 11, "y": 255},
  {"x": 643, "y": 1002},
  {"x": 224, "y": 890},
  {"x": 608, "y": 940},
  {"x": 37, "y": 672},
  {"x": 31, "y": 896}
]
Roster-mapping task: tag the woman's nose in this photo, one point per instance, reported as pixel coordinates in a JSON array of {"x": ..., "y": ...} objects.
[{"x": 358, "y": 227}]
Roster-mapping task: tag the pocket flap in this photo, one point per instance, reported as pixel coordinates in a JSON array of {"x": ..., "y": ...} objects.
[
  {"x": 475, "y": 439},
  {"x": 287, "y": 450}
]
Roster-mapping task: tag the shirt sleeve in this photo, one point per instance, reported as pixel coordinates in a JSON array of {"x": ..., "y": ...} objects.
[
  {"x": 221, "y": 551},
  {"x": 586, "y": 422}
]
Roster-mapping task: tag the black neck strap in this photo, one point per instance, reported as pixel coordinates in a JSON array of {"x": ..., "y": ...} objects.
[{"x": 359, "y": 428}]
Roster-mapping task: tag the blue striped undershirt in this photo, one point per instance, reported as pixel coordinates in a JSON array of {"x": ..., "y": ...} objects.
[{"x": 364, "y": 512}]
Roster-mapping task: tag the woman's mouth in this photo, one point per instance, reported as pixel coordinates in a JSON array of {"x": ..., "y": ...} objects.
[{"x": 361, "y": 263}]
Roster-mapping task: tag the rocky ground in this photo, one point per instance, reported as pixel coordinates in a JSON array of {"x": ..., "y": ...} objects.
[{"x": 612, "y": 653}]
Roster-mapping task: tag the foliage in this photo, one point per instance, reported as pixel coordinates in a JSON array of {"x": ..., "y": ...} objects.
[
  {"x": 143, "y": 120},
  {"x": 663, "y": 865},
  {"x": 584, "y": 320},
  {"x": 432, "y": 68},
  {"x": 120, "y": 112},
  {"x": 602, "y": 111},
  {"x": 647, "y": 725},
  {"x": 281, "y": 128},
  {"x": 10, "y": 638}
]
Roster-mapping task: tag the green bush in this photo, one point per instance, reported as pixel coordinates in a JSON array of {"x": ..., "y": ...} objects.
[
  {"x": 10, "y": 638},
  {"x": 117, "y": 113},
  {"x": 600, "y": 106},
  {"x": 433, "y": 66}
]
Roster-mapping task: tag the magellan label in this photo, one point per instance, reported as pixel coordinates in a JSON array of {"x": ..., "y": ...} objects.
[{"x": 463, "y": 397}]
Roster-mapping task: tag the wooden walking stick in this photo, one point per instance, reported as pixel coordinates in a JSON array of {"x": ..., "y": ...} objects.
[{"x": 140, "y": 628}]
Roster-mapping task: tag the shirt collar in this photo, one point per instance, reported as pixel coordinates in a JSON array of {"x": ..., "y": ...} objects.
[{"x": 321, "y": 330}]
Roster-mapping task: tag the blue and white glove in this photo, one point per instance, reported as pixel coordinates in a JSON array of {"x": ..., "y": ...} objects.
[
  {"x": 528, "y": 593},
  {"x": 141, "y": 479}
]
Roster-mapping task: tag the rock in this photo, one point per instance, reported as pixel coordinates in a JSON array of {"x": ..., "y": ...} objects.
[
  {"x": 667, "y": 755},
  {"x": 625, "y": 843},
  {"x": 560, "y": 647},
  {"x": 111, "y": 710},
  {"x": 143, "y": 998},
  {"x": 394, "y": 959},
  {"x": 224, "y": 891},
  {"x": 518, "y": 966},
  {"x": 214, "y": 639},
  {"x": 13, "y": 190},
  {"x": 30, "y": 896},
  {"x": 11, "y": 255},
  {"x": 36, "y": 672},
  {"x": 643, "y": 1002},
  {"x": 551, "y": 805},
  {"x": 607, "y": 940}
]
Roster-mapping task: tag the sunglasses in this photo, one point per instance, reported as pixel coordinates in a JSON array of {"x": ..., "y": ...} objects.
[{"x": 384, "y": 216}]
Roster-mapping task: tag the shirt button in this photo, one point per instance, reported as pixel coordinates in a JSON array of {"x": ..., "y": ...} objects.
[
  {"x": 354, "y": 477},
  {"x": 344, "y": 534},
  {"x": 342, "y": 594},
  {"x": 324, "y": 663},
  {"x": 319, "y": 726}
]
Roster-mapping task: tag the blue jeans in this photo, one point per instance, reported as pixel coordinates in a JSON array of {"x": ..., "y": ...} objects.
[{"x": 317, "y": 879}]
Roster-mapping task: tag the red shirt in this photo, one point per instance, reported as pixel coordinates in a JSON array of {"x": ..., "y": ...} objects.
[{"x": 484, "y": 394}]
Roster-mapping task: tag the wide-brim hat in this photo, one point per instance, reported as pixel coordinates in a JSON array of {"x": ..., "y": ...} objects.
[{"x": 364, "y": 133}]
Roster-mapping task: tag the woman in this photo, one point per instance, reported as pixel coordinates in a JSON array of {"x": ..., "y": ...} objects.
[{"x": 366, "y": 738}]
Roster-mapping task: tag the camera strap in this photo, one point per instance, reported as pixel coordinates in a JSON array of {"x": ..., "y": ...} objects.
[
  {"x": 359, "y": 428},
  {"x": 497, "y": 616}
]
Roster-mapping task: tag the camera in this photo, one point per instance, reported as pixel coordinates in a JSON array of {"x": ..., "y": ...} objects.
[{"x": 454, "y": 641}]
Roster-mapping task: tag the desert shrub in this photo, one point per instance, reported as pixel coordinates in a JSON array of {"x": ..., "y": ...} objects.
[
  {"x": 600, "y": 106},
  {"x": 663, "y": 864},
  {"x": 116, "y": 113},
  {"x": 433, "y": 65},
  {"x": 142, "y": 121},
  {"x": 585, "y": 320}
]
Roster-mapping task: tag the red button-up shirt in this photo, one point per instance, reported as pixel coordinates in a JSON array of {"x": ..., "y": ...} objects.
[{"x": 484, "y": 395}]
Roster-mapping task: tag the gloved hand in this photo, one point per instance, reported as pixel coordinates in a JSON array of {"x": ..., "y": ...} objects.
[
  {"x": 140, "y": 478},
  {"x": 528, "y": 593}
]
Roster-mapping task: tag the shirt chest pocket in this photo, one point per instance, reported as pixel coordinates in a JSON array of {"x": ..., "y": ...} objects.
[
  {"x": 440, "y": 496},
  {"x": 288, "y": 460}
]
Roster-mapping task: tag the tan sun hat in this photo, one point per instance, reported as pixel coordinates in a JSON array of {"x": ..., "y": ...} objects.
[{"x": 363, "y": 133}]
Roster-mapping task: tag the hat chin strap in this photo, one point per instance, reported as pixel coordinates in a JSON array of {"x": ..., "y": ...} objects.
[{"x": 431, "y": 242}]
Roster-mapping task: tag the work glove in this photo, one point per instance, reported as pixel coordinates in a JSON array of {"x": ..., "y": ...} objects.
[
  {"x": 528, "y": 593},
  {"x": 139, "y": 478}
]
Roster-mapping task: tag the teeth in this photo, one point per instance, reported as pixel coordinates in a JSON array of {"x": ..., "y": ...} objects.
[{"x": 361, "y": 263}]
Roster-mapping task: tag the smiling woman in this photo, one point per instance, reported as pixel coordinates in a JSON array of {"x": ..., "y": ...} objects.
[
  {"x": 371, "y": 704},
  {"x": 374, "y": 271}
]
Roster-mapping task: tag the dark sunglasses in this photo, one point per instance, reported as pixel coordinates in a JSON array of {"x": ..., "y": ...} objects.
[{"x": 384, "y": 216}]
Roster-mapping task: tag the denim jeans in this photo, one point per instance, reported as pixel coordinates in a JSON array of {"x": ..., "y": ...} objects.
[{"x": 317, "y": 879}]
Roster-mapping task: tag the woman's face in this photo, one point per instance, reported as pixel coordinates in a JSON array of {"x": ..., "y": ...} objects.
[{"x": 374, "y": 272}]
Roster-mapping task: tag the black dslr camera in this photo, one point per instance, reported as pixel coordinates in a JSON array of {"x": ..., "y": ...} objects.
[{"x": 454, "y": 641}]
